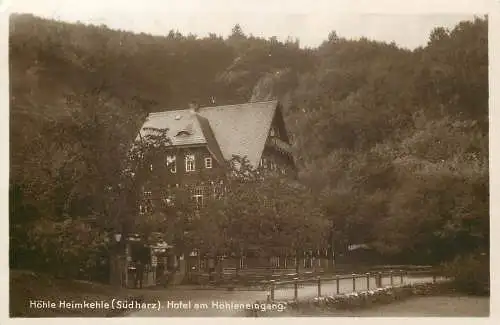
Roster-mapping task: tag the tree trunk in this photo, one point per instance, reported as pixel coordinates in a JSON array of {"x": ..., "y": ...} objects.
[
  {"x": 298, "y": 260},
  {"x": 331, "y": 261},
  {"x": 125, "y": 264},
  {"x": 219, "y": 269},
  {"x": 238, "y": 264}
]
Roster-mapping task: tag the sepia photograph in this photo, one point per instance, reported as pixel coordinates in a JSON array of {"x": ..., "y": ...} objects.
[{"x": 180, "y": 159}]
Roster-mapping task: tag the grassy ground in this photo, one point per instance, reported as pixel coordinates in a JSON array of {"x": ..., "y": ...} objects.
[{"x": 26, "y": 286}]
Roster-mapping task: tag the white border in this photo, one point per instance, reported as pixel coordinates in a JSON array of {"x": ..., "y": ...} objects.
[{"x": 492, "y": 7}]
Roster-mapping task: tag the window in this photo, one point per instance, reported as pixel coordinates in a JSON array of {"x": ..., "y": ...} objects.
[
  {"x": 169, "y": 199},
  {"x": 171, "y": 162},
  {"x": 268, "y": 203},
  {"x": 146, "y": 206},
  {"x": 198, "y": 196},
  {"x": 190, "y": 163},
  {"x": 217, "y": 191},
  {"x": 272, "y": 132},
  {"x": 275, "y": 260},
  {"x": 208, "y": 162}
]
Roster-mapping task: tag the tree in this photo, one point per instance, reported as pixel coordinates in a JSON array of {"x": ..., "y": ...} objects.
[
  {"x": 237, "y": 32},
  {"x": 263, "y": 213},
  {"x": 366, "y": 117},
  {"x": 333, "y": 37}
]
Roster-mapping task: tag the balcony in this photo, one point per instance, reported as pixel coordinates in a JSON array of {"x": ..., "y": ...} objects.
[{"x": 279, "y": 145}]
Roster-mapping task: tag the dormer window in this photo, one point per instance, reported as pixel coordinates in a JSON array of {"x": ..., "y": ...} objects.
[
  {"x": 273, "y": 132},
  {"x": 182, "y": 133},
  {"x": 190, "y": 165},
  {"x": 208, "y": 162},
  {"x": 171, "y": 162}
]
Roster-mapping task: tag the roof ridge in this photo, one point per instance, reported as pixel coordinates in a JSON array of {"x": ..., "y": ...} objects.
[
  {"x": 247, "y": 103},
  {"x": 168, "y": 111},
  {"x": 211, "y": 107}
]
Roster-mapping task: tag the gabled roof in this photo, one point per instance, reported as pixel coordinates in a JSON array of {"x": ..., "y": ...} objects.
[
  {"x": 226, "y": 130},
  {"x": 241, "y": 129}
]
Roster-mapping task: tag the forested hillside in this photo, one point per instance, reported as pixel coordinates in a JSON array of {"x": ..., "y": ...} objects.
[{"x": 394, "y": 142}]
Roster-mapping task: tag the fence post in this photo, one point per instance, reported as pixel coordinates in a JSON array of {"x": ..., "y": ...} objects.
[
  {"x": 296, "y": 287},
  {"x": 319, "y": 286},
  {"x": 434, "y": 280},
  {"x": 273, "y": 285},
  {"x": 367, "y": 280},
  {"x": 379, "y": 280},
  {"x": 402, "y": 277},
  {"x": 392, "y": 278},
  {"x": 337, "y": 280},
  {"x": 255, "y": 311},
  {"x": 353, "y": 282}
]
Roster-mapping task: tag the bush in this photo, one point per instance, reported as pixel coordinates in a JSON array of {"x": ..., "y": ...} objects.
[
  {"x": 66, "y": 249},
  {"x": 470, "y": 273}
]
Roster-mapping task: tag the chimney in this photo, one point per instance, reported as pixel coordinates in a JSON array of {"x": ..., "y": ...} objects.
[{"x": 194, "y": 107}]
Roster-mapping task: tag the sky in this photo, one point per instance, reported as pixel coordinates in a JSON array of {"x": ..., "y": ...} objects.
[{"x": 309, "y": 21}]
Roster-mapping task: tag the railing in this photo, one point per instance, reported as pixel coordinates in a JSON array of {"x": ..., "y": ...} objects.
[
  {"x": 264, "y": 274},
  {"x": 280, "y": 144},
  {"x": 341, "y": 284}
]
